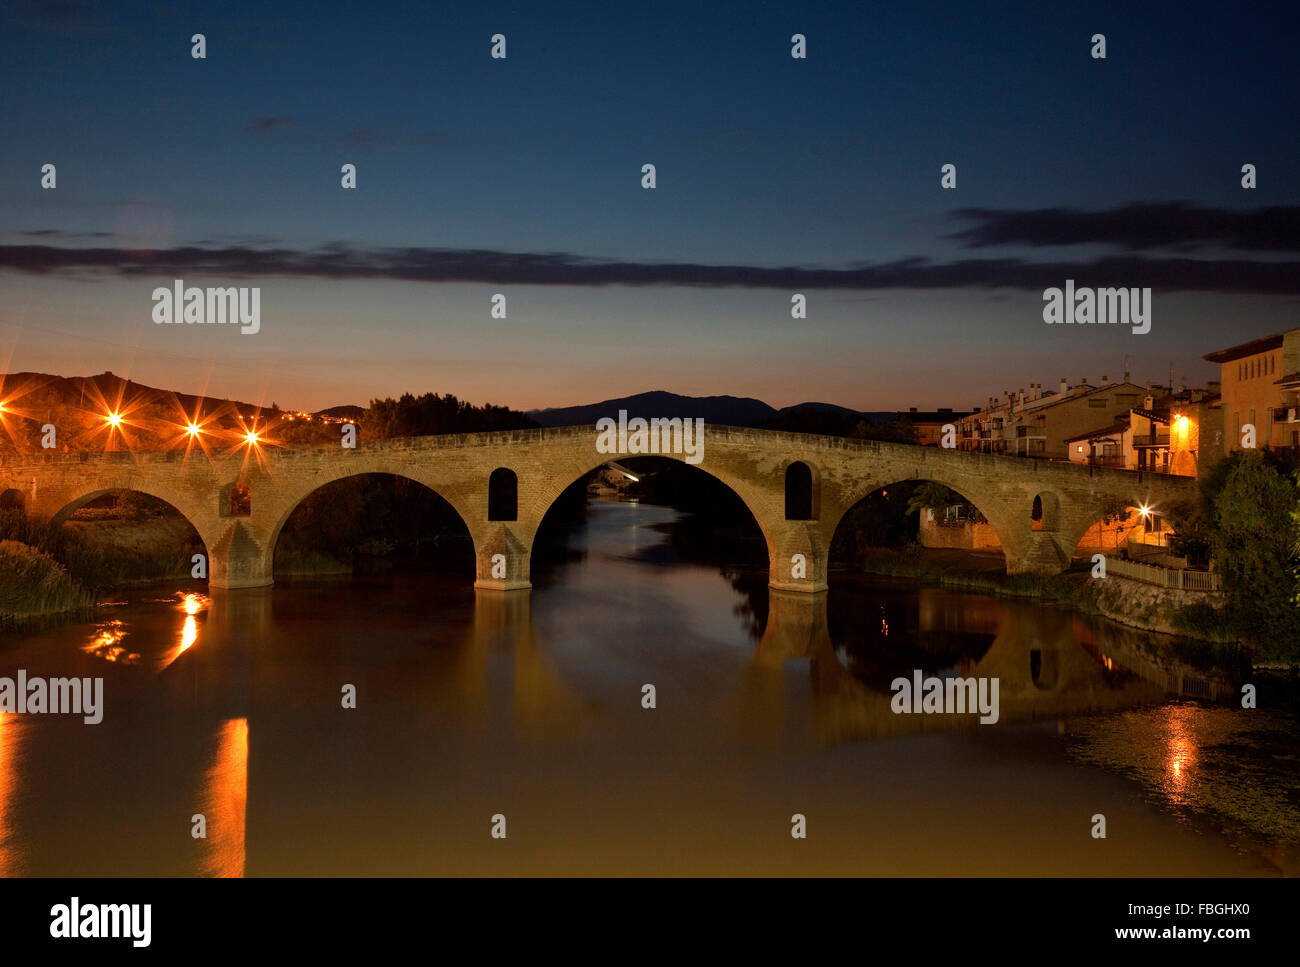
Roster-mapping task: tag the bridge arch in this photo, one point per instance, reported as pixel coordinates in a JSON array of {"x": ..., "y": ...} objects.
[
  {"x": 185, "y": 509},
  {"x": 1092, "y": 513},
  {"x": 67, "y": 506},
  {"x": 287, "y": 502},
  {"x": 747, "y": 494},
  {"x": 989, "y": 506},
  {"x": 12, "y": 500}
]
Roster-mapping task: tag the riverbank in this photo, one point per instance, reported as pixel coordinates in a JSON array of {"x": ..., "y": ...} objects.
[
  {"x": 1167, "y": 611},
  {"x": 33, "y": 584}
]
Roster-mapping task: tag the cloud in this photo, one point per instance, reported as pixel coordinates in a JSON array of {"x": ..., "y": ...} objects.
[
  {"x": 365, "y": 135},
  {"x": 60, "y": 16},
  {"x": 1149, "y": 225},
  {"x": 57, "y": 233},
  {"x": 267, "y": 124},
  {"x": 337, "y": 261}
]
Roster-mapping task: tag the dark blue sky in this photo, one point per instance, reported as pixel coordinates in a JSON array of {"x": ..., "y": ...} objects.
[{"x": 764, "y": 162}]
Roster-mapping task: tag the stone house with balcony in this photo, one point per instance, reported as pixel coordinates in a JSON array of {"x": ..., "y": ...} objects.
[{"x": 1163, "y": 435}]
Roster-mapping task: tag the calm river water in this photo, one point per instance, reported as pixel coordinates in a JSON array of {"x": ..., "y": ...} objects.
[{"x": 528, "y": 706}]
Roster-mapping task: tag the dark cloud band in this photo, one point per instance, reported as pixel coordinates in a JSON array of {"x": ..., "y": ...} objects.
[
  {"x": 558, "y": 268},
  {"x": 1137, "y": 226}
]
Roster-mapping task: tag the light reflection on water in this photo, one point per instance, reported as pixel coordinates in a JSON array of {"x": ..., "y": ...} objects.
[
  {"x": 11, "y": 735},
  {"x": 225, "y": 800},
  {"x": 530, "y": 703},
  {"x": 105, "y": 643}
]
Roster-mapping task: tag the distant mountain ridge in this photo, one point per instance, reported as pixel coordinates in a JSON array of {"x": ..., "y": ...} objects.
[
  {"x": 43, "y": 390},
  {"x": 718, "y": 410},
  {"x": 722, "y": 410},
  {"x": 109, "y": 389}
]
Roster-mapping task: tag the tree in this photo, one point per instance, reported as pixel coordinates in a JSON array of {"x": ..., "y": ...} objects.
[
  {"x": 931, "y": 494},
  {"x": 1254, "y": 537}
]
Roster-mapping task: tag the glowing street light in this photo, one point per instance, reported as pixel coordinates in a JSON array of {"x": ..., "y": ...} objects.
[
  {"x": 193, "y": 430},
  {"x": 1144, "y": 510},
  {"x": 114, "y": 419}
]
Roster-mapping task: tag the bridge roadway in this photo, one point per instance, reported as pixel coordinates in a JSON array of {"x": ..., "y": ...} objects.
[{"x": 753, "y": 463}]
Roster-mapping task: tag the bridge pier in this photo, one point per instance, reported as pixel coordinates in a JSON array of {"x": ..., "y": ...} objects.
[
  {"x": 1042, "y": 554},
  {"x": 502, "y": 560},
  {"x": 237, "y": 560},
  {"x": 798, "y": 555}
]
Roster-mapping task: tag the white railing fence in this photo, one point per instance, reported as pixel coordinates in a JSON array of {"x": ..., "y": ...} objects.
[{"x": 1165, "y": 577}]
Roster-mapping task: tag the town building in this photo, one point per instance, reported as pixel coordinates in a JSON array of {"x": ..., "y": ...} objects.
[
  {"x": 1040, "y": 423},
  {"x": 1174, "y": 433},
  {"x": 929, "y": 424},
  {"x": 1261, "y": 388}
]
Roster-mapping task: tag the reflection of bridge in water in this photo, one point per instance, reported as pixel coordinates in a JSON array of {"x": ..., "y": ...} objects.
[
  {"x": 1043, "y": 669},
  {"x": 268, "y": 736},
  {"x": 1047, "y": 664}
]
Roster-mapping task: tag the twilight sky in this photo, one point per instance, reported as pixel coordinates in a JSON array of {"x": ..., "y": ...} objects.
[{"x": 523, "y": 176}]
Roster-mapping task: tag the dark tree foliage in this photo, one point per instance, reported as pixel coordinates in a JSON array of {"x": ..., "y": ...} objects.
[
  {"x": 834, "y": 423},
  {"x": 1245, "y": 519},
  {"x": 377, "y": 515},
  {"x": 1254, "y": 538},
  {"x": 431, "y": 414}
]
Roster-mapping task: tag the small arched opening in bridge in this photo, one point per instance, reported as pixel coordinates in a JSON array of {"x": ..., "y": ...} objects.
[
  {"x": 656, "y": 513},
  {"x": 800, "y": 492},
  {"x": 1045, "y": 512},
  {"x": 372, "y": 524},
  {"x": 236, "y": 500},
  {"x": 111, "y": 537},
  {"x": 503, "y": 495},
  {"x": 893, "y": 528}
]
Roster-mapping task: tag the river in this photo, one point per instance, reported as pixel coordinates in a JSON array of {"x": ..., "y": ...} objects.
[{"x": 523, "y": 713}]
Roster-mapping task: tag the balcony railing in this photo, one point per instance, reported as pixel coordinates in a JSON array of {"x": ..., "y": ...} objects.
[{"x": 1159, "y": 440}]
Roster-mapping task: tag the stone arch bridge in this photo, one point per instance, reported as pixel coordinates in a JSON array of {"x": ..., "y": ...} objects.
[{"x": 758, "y": 465}]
